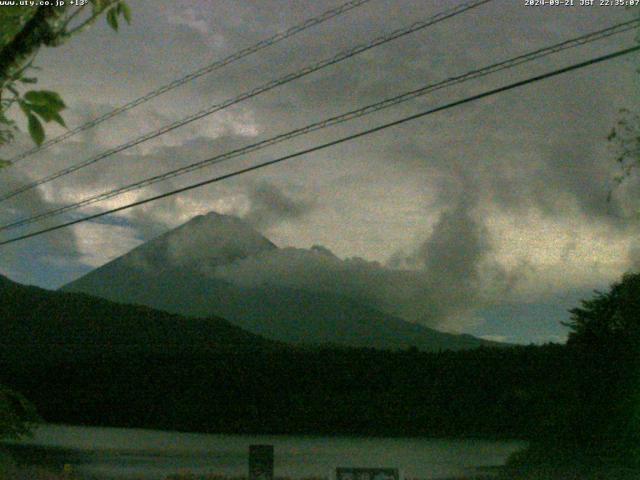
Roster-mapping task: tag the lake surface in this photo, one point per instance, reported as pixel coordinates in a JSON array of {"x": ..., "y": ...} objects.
[{"x": 112, "y": 453}]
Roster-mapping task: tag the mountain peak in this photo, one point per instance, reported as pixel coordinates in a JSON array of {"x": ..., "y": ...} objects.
[
  {"x": 211, "y": 216},
  {"x": 214, "y": 237},
  {"x": 201, "y": 244},
  {"x": 177, "y": 272},
  {"x": 198, "y": 246}
]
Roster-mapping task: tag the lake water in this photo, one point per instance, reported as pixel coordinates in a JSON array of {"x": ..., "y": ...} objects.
[{"x": 112, "y": 453}]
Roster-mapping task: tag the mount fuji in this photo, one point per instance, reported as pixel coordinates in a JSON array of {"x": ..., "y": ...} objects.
[{"x": 177, "y": 272}]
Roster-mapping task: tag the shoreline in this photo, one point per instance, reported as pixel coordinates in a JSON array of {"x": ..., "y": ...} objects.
[
  {"x": 55, "y": 463},
  {"x": 306, "y": 434},
  {"x": 27, "y": 462}
]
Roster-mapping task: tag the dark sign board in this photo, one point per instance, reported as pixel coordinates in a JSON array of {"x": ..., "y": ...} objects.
[
  {"x": 367, "y": 474},
  {"x": 261, "y": 462}
]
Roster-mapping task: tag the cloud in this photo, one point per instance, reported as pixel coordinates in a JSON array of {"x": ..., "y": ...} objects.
[
  {"x": 19, "y": 259},
  {"x": 452, "y": 274},
  {"x": 634, "y": 257},
  {"x": 503, "y": 195},
  {"x": 495, "y": 338},
  {"x": 319, "y": 270},
  {"x": 268, "y": 205},
  {"x": 99, "y": 243}
]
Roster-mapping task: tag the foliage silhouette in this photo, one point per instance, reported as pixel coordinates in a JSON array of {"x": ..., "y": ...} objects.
[
  {"x": 599, "y": 432},
  {"x": 23, "y": 31}
]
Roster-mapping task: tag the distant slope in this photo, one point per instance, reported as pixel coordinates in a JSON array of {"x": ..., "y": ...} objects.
[
  {"x": 174, "y": 273},
  {"x": 86, "y": 361},
  {"x": 37, "y": 324}
]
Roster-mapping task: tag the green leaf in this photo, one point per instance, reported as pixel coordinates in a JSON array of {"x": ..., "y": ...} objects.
[
  {"x": 112, "y": 18},
  {"x": 99, "y": 5},
  {"x": 29, "y": 80},
  {"x": 46, "y": 98},
  {"x": 4, "y": 163},
  {"x": 58, "y": 119},
  {"x": 125, "y": 11},
  {"x": 55, "y": 117},
  {"x": 35, "y": 129},
  {"x": 25, "y": 107},
  {"x": 47, "y": 113}
]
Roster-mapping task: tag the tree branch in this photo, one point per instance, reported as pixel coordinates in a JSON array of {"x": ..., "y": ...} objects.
[
  {"x": 96, "y": 13},
  {"x": 36, "y": 32}
]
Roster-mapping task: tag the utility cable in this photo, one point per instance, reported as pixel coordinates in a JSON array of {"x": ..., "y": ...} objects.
[
  {"x": 234, "y": 57},
  {"x": 344, "y": 55},
  {"x": 323, "y": 146},
  {"x": 335, "y": 120}
]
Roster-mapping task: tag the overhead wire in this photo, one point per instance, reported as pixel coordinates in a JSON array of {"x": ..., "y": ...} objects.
[
  {"x": 218, "y": 64},
  {"x": 338, "y": 119},
  {"x": 323, "y": 146},
  {"x": 341, "y": 56}
]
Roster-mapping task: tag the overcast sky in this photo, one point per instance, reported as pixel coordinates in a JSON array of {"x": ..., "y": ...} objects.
[{"x": 501, "y": 204}]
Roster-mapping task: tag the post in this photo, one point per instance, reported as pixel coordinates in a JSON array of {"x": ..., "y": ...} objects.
[
  {"x": 367, "y": 474},
  {"x": 261, "y": 462}
]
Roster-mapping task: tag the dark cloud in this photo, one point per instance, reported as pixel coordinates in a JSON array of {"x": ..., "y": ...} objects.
[
  {"x": 634, "y": 257},
  {"x": 269, "y": 206},
  {"x": 453, "y": 257},
  {"x": 432, "y": 188},
  {"x": 453, "y": 277},
  {"x": 29, "y": 260}
]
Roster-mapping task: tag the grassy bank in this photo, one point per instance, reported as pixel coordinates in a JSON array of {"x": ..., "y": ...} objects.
[
  {"x": 555, "y": 461},
  {"x": 10, "y": 469}
]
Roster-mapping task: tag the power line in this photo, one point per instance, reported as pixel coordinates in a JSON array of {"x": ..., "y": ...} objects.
[
  {"x": 300, "y": 153},
  {"x": 386, "y": 103},
  {"x": 234, "y": 57},
  {"x": 344, "y": 55}
]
